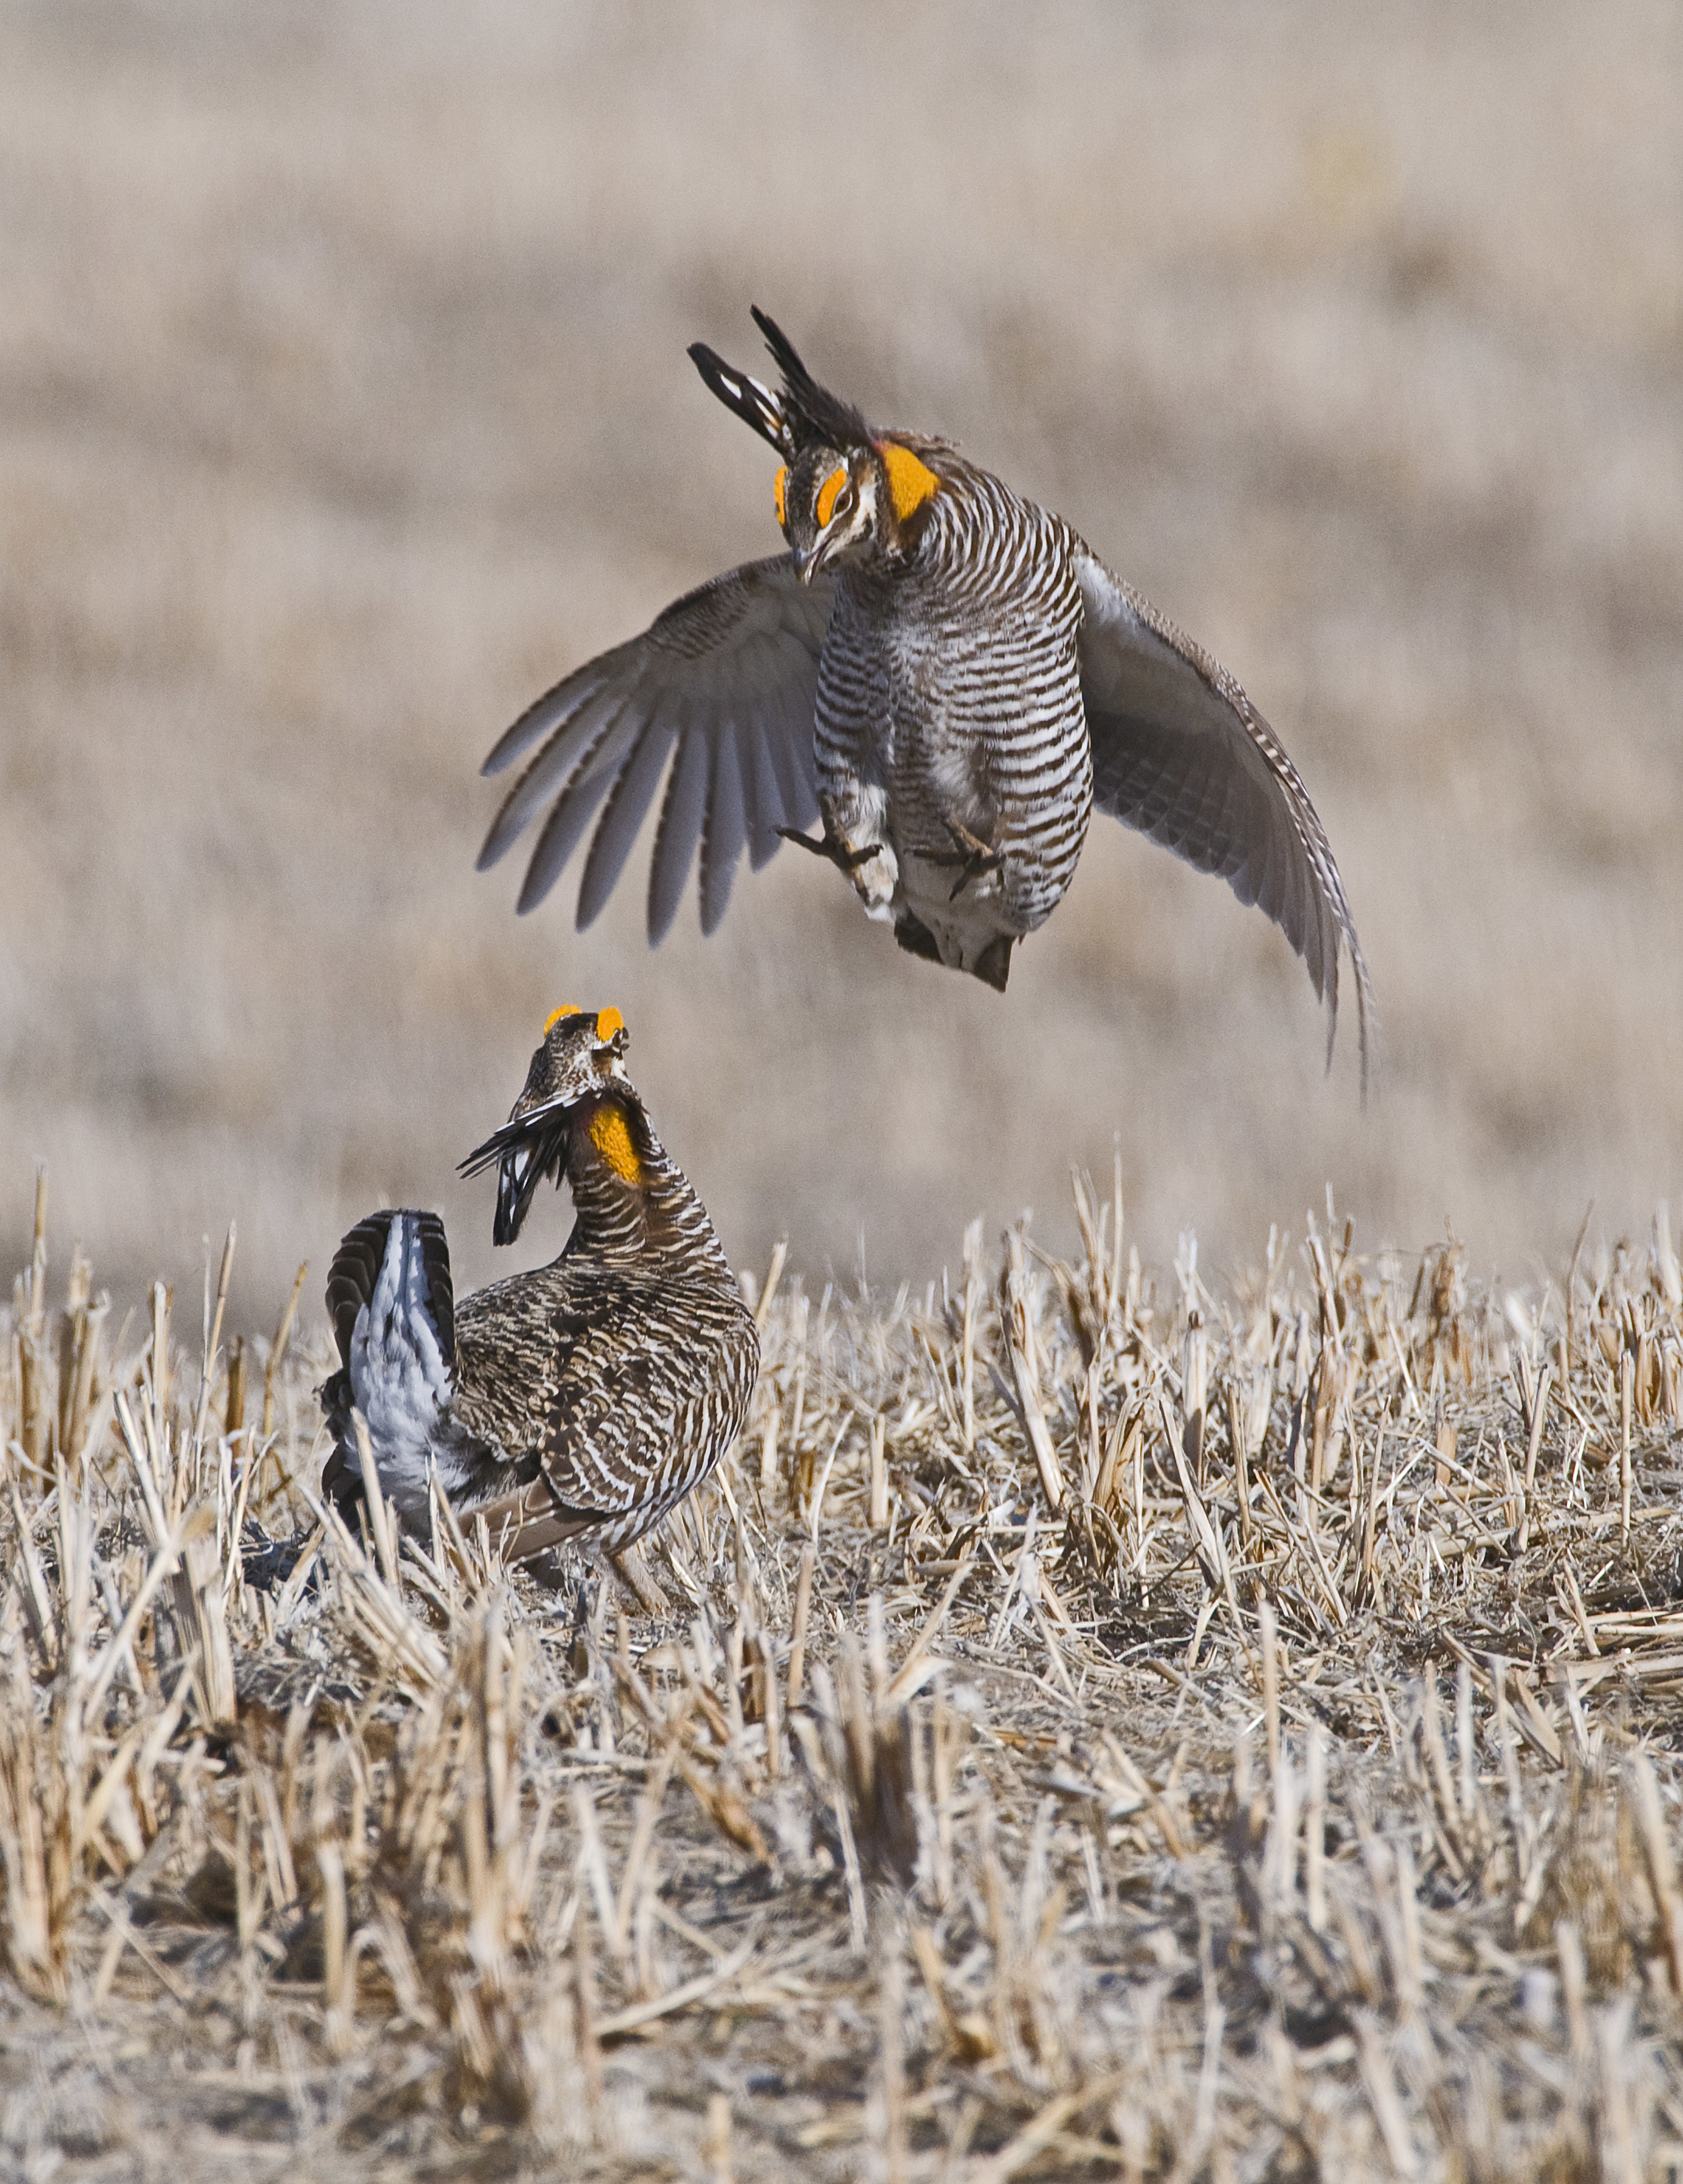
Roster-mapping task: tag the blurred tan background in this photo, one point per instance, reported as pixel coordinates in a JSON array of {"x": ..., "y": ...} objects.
[{"x": 344, "y": 406}]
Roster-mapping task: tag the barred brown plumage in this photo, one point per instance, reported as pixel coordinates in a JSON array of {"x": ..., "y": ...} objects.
[
  {"x": 947, "y": 678},
  {"x": 582, "y": 1400}
]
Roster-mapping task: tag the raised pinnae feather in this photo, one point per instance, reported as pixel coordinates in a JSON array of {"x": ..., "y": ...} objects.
[
  {"x": 526, "y": 1150},
  {"x": 818, "y": 416},
  {"x": 757, "y": 405},
  {"x": 522, "y": 1168}
]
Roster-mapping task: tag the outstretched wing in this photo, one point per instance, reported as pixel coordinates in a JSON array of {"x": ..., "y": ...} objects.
[
  {"x": 1181, "y": 753},
  {"x": 726, "y": 678}
]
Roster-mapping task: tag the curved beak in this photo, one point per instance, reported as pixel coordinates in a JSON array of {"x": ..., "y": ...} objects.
[{"x": 808, "y": 565}]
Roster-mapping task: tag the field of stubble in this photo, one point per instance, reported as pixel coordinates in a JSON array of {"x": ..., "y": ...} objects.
[
  {"x": 1091, "y": 1725},
  {"x": 344, "y": 406}
]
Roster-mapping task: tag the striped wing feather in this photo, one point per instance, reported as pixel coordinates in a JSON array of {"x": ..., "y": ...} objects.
[
  {"x": 609, "y": 1379},
  {"x": 726, "y": 677},
  {"x": 1180, "y": 752}
]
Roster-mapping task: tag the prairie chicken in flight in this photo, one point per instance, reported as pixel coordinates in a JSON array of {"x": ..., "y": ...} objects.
[
  {"x": 580, "y": 1401},
  {"x": 942, "y": 674}
]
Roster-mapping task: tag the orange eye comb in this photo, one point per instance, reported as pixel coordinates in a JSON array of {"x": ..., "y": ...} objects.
[
  {"x": 609, "y": 1023},
  {"x": 827, "y": 494},
  {"x": 779, "y": 486},
  {"x": 567, "y": 1009}
]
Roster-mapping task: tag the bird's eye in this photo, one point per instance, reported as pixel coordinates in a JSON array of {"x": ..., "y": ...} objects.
[{"x": 844, "y": 502}]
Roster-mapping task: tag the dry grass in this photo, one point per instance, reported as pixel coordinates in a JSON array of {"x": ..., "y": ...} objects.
[
  {"x": 344, "y": 405},
  {"x": 1105, "y": 1725}
]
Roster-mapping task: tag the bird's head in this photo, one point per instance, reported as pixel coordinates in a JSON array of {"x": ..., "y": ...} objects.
[
  {"x": 861, "y": 504},
  {"x": 580, "y": 1055},
  {"x": 577, "y": 1078},
  {"x": 827, "y": 504},
  {"x": 846, "y": 493}
]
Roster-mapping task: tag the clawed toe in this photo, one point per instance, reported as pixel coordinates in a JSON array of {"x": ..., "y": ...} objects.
[
  {"x": 832, "y": 847},
  {"x": 971, "y": 854}
]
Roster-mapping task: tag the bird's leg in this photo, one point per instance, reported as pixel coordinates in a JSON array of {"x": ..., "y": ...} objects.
[
  {"x": 831, "y": 846},
  {"x": 970, "y": 852},
  {"x": 635, "y": 1574}
]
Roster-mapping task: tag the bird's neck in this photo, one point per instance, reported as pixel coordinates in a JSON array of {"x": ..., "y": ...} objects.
[{"x": 631, "y": 1200}]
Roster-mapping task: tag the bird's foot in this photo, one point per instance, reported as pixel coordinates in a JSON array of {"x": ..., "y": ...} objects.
[
  {"x": 830, "y": 845},
  {"x": 973, "y": 856},
  {"x": 635, "y": 1574}
]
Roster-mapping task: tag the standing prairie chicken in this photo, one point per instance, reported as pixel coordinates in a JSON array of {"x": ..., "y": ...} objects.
[
  {"x": 947, "y": 679},
  {"x": 582, "y": 1400}
]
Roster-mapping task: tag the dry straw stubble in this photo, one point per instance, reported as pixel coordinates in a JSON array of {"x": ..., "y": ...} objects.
[{"x": 1098, "y": 1724}]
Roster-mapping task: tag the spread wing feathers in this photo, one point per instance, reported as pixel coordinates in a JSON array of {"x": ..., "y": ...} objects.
[
  {"x": 1180, "y": 752},
  {"x": 423, "y": 1281},
  {"x": 526, "y": 1150},
  {"x": 726, "y": 677}
]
